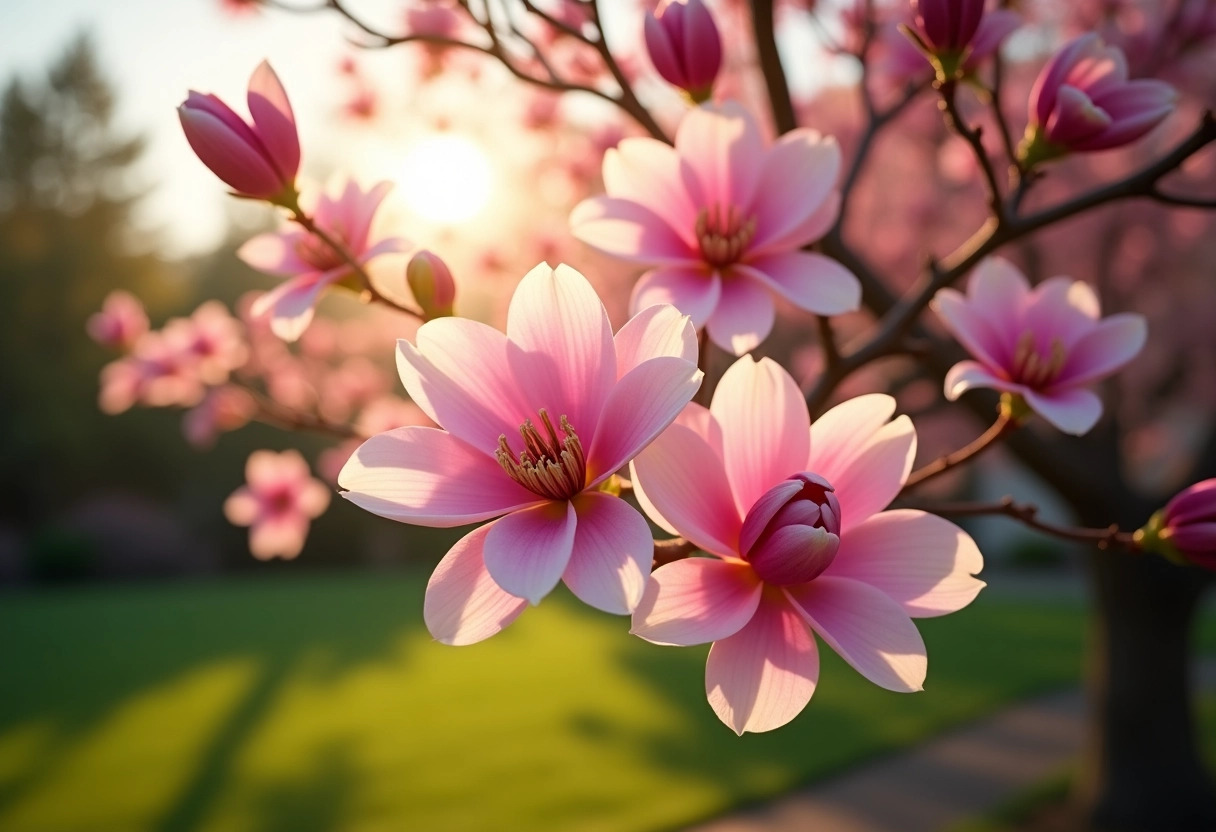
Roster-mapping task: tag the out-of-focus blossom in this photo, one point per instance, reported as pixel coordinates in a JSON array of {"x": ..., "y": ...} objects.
[
  {"x": 278, "y": 502},
  {"x": 1185, "y": 530},
  {"x": 534, "y": 423},
  {"x": 382, "y": 414},
  {"x": 350, "y": 386},
  {"x": 431, "y": 283},
  {"x": 155, "y": 374},
  {"x": 312, "y": 264},
  {"x": 957, "y": 35},
  {"x": 1044, "y": 344},
  {"x": 258, "y": 159},
  {"x": 684, "y": 46},
  {"x": 210, "y": 341},
  {"x": 240, "y": 8},
  {"x": 224, "y": 408},
  {"x": 792, "y": 517},
  {"x": 120, "y": 323},
  {"x": 1083, "y": 101},
  {"x": 722, "y": 218}
]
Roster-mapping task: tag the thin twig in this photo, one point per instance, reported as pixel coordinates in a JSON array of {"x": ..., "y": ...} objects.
[
  {"x": 1027, "y": 515},
  {"x": 1004, "y": 425}
]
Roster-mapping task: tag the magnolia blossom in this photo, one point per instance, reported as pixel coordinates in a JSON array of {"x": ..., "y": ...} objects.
[
  {"x": 1044, "y": 344},
  {"x": 722, "y": 219},
  {"x": 156, "y": 373},
  {"x": 257, "y": 159},
  {"x": 311, "y": 263},
  {"x": 224, "y": 408},
  {"x": 684, "y": 46},
  {"x": 534, "y": 422},
  {"x": 1083, "y": 101},
  {"x": 791, "y": 516},
  {"x": 211, "y": 341},
  {"x": 277, "y": 503},
  {"x": 120, "y": 323}
]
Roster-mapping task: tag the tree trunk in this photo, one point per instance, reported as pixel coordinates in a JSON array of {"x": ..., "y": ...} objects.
[{"x": 1142, "y": 768}]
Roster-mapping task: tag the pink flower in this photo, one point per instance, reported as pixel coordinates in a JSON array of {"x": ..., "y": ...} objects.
[
  {"x": 722, "y": 217},
  {"x": 224, "y": 408},
  {"x": 1044, "y": 345},
  {"x": 156, "y": 374},
  {"x": 120, "y": 323},
  {"x": 210, "y": 341},
  {"x": 534, "y": 423},
  {"x": 1083, "y": 101},
  {"x": 1186, "y": 528},
  {"x": 684, "y": 46},
  {"x": 258, "y": 159},
  {"x": 791, "y": 516},
  {"x": 311, "y": 263},
  {"x": 277, "y": 503}
]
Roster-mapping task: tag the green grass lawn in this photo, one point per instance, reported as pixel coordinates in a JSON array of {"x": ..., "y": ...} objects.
[{"x": 319, "y": 702}]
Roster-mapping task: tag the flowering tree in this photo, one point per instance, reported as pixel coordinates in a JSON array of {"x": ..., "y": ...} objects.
[{"x": 740, "y": 217}]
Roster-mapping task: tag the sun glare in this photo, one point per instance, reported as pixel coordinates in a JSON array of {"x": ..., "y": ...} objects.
[{"x": 446, "y": 178}]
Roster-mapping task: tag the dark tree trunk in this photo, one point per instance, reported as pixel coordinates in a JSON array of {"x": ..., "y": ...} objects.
[{"x": 1142, "y": 768}]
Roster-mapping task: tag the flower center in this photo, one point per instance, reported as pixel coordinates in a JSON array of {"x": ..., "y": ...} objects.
[
  {"x": 1033, "y": 368},
  {"x": 723, "y": 234},
  {"x": 792, "y": 533},
  {"x": 550, "y": 465},
  {"x": 319, "y": 254}
]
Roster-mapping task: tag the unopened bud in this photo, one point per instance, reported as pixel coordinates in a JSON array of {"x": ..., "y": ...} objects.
[
  {"x": 431, "y": 282},
  {"x": 792, "y": 532}
]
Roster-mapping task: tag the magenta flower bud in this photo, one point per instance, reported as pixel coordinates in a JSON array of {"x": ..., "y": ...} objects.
[
  {"x": 258, "y": 159},
  {"x": 946, "y": 26},
  {"x": 1082, "y": 101},
  {"x": 685, "y": 47},
  {"x": 1186, "y": 528},
  {"x": 431, "y": 282},
  {"x": 792, "y": 532}
]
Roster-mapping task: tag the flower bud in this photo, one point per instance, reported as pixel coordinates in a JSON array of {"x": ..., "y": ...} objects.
[
  {"x": 792, "y": 532},
  {"x": 685, "y": 47},
  {"x": 120, "y": 323},
  {"x": 431, "y": 282},
  {"x": 1185, "y": 530},
  {"x": 258, "y": 159}
]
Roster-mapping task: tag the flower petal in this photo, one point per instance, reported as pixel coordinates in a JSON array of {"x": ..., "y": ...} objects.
[
  {"x": 428, "y": 477},
  {"x": 1072, "y": 410},
  {"x": 705, "y": 515},
  {"x": 560, "y": 324},
  {"x": 798, "y": 175},
  {"x": 641, "y": 405},
  {"x": 923, "y": 562},
  {"x": 865, "y": 460},
  {"x": 696, "y": 601},
  {"x": 867, "y": 628},
  {"x": 613, "y": 551},
  {"x": 274, "y": 121},
  {"x": 647, "y": 171},
  {"x": 463, "y": 604},
  {"x": 972, "y": 328},
  {"x": 743, "y": 317},
  {"x": 527, "y": 551},
  {"x": 291, "y": 305},
  {"x": 274, "y": 253},
  {"x": 656, "y": 330},
  {"x": 629, "y": 231},
  {"x": 690, "y": 289},
  {"x": 764, "y": 427},
  {"x": 966, "y": 375},
  {"x": 723, "y": 151},
  {"x": 808, "y": 280},
  {"x": 1112, "y": 343},
  {"x": 764, "y": 675}
]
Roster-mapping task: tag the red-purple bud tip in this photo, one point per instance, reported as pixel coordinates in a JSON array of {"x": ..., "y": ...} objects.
[
  {"x": 1186, "y": 528},
  {"x": 259, "y": 158},
  {"x": 685, "y": 47},
  {"x": 792, "y": 532}
]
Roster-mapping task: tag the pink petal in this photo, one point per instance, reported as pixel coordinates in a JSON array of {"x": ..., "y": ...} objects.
[
  {"x": 700, "y": 421},
  {"x": 705, "y": 515},
  {"x": 921, "y": 561},
  {"x": 642, "y": 404},
  {"x": 527, "y": 551},
  {"x": 690, "y": 289},
  {"x": 966, "y": 375},
  {"x": 724, "y": 152},
  {"x": 808, "y": 280},
  {"x": 798, "y": 176},
  {"x": 428, "y": 477},
  {"x": 764, "y": 427},
  {"x": 313, "y": 498},
  {"x": 647, "y": 172},
  {"x": 462, "y": 377},
  {"x": 242, "y": 507},
  {"x": 811, "y": 228},
  {"x": 764, "y": 675},
  {"x": 973, "y": 328},
  {"x": 291, "y": 305},
  {"x": 867, "y": 628},
  {"x": 655, "y": 331},
  {"x": 996, "y": 290},
  {"x": 229, "y": 153},
  {"x": 613, "y": 551},
  {"x": 463, "y": 604},
  {"x": 865, "y": 460},
  {"x": 274, "y": 253},
  {"x": 1112, "y": 343},
  {"x": 1071, "y": 410},
  {"x": 558, "y": 320},
  {"x": 743, "y": 317},
  {"x": 274, "y": 121},
  {"x": 696, "y": 601},
  {"x": 1060, "y": 307},
  {"x": 629, "y": 231},
  {"x": 281, "y": 536}
]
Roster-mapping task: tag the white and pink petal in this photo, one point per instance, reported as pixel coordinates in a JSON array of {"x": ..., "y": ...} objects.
[{"x": 463, "y": 604}]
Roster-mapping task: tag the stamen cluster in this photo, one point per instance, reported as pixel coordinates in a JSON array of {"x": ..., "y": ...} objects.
[{"x": 551, "y": 466}]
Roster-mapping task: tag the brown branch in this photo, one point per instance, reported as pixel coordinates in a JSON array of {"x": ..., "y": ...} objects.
[
  {"x": 668, "y": 551},
  {"x": 1027, "y": 515},
  {"x": 974, "y": 138},
  {"x": 278, "y": 415},
  {"x": 763, "y": 30},
  {"x": 1004, "y": 425}
]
